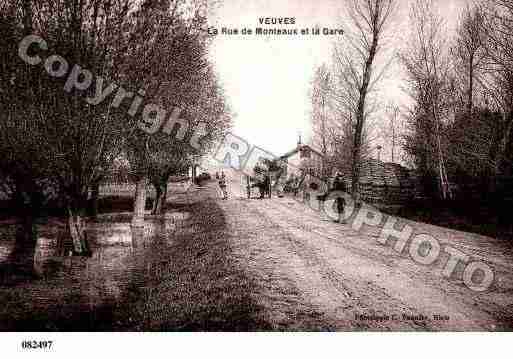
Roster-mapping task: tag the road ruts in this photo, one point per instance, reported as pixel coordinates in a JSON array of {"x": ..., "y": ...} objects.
[{"x": 342, "y": 273}]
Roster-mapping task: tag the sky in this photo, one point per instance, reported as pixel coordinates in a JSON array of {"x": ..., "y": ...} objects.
[{"x": 267, "y": 78}]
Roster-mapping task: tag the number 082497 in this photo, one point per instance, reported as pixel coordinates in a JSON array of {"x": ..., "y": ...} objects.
[{"x": 37, "y": 344}]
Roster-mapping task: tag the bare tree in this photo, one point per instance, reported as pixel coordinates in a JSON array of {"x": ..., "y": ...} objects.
[
  {"x": 357, "y": 67},
  {"x": 499, "y": 81},
  {"x": 390, "y": 129},
  {"x": 170, "y": 156},
  {"x": 470, "y": 49},
  {"x": 320, "y": 100},
  {"x": 429, "y": 84},
  {"x": 67, "y": 143},
  {"x": 333, "y": 101},
  {"x": 167, "y": 57}
]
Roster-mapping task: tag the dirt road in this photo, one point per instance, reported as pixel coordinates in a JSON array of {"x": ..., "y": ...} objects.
[{"x": 316, "y": 274}]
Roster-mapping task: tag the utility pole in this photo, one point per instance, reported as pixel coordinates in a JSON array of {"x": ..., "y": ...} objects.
[{"x": 269, "y": 176}]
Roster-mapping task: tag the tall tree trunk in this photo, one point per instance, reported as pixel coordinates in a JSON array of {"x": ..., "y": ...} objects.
[
  {"x": 77, "y": 227},
  {"x": 193, "y": 174},
  {"x": 501, "y": 153},
  {"x": 95, "y": 196},
  {"x": 160, "y": 197},
  {"x": 324, "y": 172},
  {"x": 27, "y": 17},
  {"x": 355, "y": 173},
  {"x": 470, "y": 104},
  {"x": 360, "y": 118},
  {"x": 139, "y": 203},
  {"x": 393, "y": 143},
  {"x": 27, "y": 204},
  {"x": 22, "y": 256}
]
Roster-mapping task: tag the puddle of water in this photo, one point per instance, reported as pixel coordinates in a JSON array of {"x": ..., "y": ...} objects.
[{"x": 120, "y": 256}]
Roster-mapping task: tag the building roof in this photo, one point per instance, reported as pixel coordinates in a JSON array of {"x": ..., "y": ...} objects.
[{"x": 300, "y": 147}]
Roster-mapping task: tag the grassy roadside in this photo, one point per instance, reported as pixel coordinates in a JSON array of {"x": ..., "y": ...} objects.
[{"x": 195, "y": 285}]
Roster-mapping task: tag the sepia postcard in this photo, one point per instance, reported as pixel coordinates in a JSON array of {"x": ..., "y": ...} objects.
[{"x": 255, "y": 166}]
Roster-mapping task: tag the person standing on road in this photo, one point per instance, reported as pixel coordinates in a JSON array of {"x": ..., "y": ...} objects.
[
  {"x": 222, "y": 185},
  {"x": 267, "y": 185},
  {"x": 322, "y": 196},
  {"x": 248, "y": 186},
  {"x": 279, "y": 188},
  {"x": 263, "y": 186},
  {"x": 339, "y": 185}
]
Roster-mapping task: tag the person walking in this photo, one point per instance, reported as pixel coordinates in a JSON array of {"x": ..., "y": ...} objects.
[{"x": 339, "y": 185}]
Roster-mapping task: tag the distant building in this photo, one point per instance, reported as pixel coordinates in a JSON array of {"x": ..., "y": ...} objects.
[
  {"x": 381, "y": 184},
  {"x": 302, "y": 160}
]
